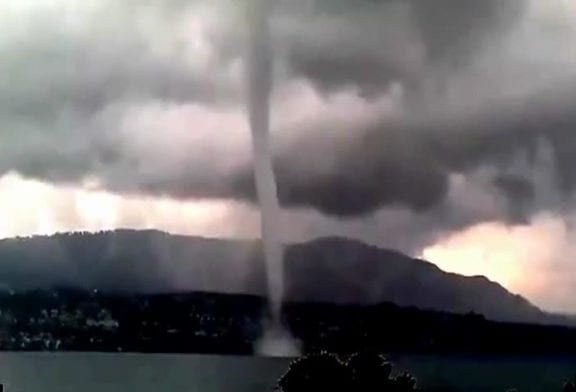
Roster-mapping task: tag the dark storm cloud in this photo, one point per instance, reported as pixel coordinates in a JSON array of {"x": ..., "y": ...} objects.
[
  {"x": 519, "y": 192},
  {"x": 79, "y": 75},
  {"x": 67, "y": 69},
  {"x": 368, "y": 44},
  {"x": 362, "y": 176},
  {"x": 515, "y": 187},
  {"x": 66, "y": 110},
  {"x": 408, "y": 162},
  {"x": 453, "y": 29},
  {"x": 360, "y": 44}
]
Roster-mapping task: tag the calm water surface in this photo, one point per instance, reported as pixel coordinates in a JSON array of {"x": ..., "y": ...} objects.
[{"x": 89, "y": 372}]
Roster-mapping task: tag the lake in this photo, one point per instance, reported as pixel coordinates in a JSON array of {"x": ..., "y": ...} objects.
[{"x": 90, "y": 372}]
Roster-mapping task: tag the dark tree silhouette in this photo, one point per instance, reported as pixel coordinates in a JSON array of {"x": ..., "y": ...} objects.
[
  {"x": 570, "y": 386},
  {"x": 320, "y": 372},
  {"x": 364, "y": 372},
  {"x": 370, "y": 372},
  {"x": 404, "y": 383}
]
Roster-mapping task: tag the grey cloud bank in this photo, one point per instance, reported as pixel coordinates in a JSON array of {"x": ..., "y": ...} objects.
[{"x": 101, "y": 96}]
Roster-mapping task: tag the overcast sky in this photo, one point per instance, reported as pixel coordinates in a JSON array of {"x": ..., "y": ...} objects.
[{"x": 441, "y": 128}]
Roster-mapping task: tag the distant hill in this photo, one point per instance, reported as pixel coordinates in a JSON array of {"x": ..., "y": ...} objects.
[{"x": 332, "y": 270}]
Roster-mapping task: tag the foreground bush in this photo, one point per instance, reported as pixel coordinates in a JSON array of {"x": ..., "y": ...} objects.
[{"x": 358, "y": 373}]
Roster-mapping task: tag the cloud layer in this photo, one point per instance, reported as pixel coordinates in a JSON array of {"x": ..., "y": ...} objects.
[{"x": 149, "y": 99}]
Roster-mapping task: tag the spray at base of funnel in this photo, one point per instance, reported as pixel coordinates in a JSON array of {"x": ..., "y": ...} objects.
[{"x": 277, "y": 342}]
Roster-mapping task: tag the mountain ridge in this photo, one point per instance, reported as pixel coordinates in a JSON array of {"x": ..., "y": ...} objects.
[{"x": 332, "y": 270}]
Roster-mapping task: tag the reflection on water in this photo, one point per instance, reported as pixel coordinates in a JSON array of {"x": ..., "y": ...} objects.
[{"x": 90, "y": 372}]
